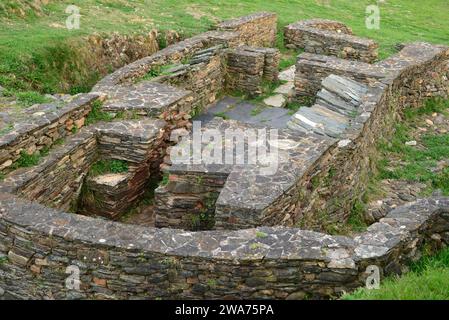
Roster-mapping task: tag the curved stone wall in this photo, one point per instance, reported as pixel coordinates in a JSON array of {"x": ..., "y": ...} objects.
[{"x": 39, "y": 246}]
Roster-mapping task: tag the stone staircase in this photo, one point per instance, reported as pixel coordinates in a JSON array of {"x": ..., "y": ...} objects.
[{"x": 337, "y": 103}]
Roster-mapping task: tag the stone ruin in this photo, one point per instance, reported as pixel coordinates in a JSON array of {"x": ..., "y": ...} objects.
[{"x": 219, "y": 231}]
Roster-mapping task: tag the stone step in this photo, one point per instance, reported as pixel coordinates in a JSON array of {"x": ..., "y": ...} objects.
[
  {"x": 316, "y": 122},
  {"x": 288, "y": 74},
  {"x": 330, "y": 107},
  {"x": 277, "y": 101},
  {"x": 325, "y": 97},
  {"x": 346, "y": 89},
  {"x": 286, "y": 89},
  {"x": 297, "y": 127},
  {"x": 330, "y": 114}
]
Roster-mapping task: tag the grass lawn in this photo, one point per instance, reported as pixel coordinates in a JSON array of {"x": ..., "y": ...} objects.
[
  {"x": 428, "y": 279},
  {"x": 33, "y": 47}
]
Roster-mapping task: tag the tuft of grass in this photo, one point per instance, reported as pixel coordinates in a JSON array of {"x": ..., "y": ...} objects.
[
  {"x": 27, "y": 160},
  {"x": 165, "y": 179},
  {"x": 257, "y": 110},
  {"x": 108, "y": 166},
  {"x": 293, "y": 106},
  {"x": 260, "y": 234},
  {"x": 28, "y": 98},
  {"x": 158, "y": 71},
  {"x": 287, "y": 61},
  {"x": 355, "y": 220},
  {"x": 222, "y": 115},
  {"x": 6, "y": 129},
  {"x": 96, "y": 114},
  {"x": 438, "y": 105}
]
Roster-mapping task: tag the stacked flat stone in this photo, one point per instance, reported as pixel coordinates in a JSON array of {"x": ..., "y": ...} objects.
[
  {"x": 131, "y": 140},
  {"x": 311, "y": 69},
  {"x": 337, "y": 104},
  {"x": 258, "y": 29},
  {"x": 237, "y": 196},
  {"x": 119, "y": 261},
  {"x": 57, "y": 180},
  {"x": 148, "y": 98},
  {"x": 247, "y": 67},
  {"x": 329, "y": 38},
  {"x": 316, "y": 174},
  {"x": 136, "y": 142},
  {"x": 203, "y": 76},
  {"x": 245, "y": 71},
  {"x": 272, "y": 57},
  {"x": 47, "y": 124}
]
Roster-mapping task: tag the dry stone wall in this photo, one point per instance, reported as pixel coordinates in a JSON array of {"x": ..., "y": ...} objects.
[
  {"x": 118, "y": 261},
  {"x": 139, "y": 144},
  {"x": 312, "y": 69},
  {"x": 422, "y": 73},
  {"x": 48, "y": 124},
  {"x": 329, "y": 38},
  {"x": 247, "y": 68},
  {"x": 203, "y": 75},
  {"x": 257, "y": 30},
  {"x": 57, "y": 180}
]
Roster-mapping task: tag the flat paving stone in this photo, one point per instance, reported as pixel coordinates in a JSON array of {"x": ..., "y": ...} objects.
[
  {"x": 277, "y": 101},
  {"x": 236, "y": 109},
  {"x": 286, "y": 89},
  {"x": 288, "y": 74}
]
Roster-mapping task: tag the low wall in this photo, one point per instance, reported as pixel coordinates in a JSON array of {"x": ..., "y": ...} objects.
[
  {"x": 169, "y": 55},
  {"x": 258, "y": 29},
  {"x": 43, "y": 128},
  {"x": 202, "y": 71},
  {"x": 329, "y": 38},
  {"x": 247, "y": 68},
  {"x": 57, "y": 180},
  {"x": 138, "y": 143},
  {"x": 187, "y": 200},
  {"x": 203, "y": 75},
  {"x": 422, "y": 74},
  {"x": 40, "y": 248},
  {"x": 312, "y": 69}
]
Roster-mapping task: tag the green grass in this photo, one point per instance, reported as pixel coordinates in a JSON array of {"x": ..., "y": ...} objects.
[
  {"x": 27, "y": 160},
  {"x": 158, "y": 71},
  {"x": 427, "y": 280},
  {"x": 108, "y": 166},
  {"x": 293, "y": 106},
  {"x": 417, "y": 164},
  {"x": 96, "y": 114},
  {"x": 29, "y": 98},
  {"x": 221, "y": 115},
  {"x": 8, "y": 128},
  {"x": 287, "y": 62},
  {"x": 36, "y": 51},
  {"x": 165, "y": 179}
]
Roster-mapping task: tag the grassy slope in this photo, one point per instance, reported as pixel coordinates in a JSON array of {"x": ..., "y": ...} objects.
[{"x": 33, "y": 47}]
